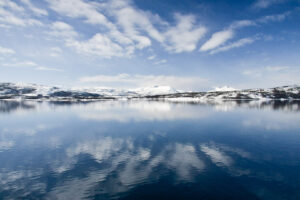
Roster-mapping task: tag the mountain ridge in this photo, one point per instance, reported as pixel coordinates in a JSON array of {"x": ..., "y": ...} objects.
[{"x": 39, "y": 92}]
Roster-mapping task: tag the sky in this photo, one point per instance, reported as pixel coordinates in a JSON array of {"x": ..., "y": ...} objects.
[{"x": 188, "y": 45}]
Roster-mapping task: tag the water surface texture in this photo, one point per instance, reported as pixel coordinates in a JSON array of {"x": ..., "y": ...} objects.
[{"x": 149, "y": 150}]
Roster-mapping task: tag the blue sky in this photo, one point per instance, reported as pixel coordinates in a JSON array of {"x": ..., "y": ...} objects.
[{"x": 189, "y": 45}]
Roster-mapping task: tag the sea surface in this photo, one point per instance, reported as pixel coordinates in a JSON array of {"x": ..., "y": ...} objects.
[{"x": 150, "y": 150}]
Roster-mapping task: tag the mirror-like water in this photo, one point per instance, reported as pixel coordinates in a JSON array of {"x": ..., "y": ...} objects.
[{"x": 149, "y": 150}]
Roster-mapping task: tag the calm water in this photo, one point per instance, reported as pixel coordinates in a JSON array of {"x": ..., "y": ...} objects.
[{"x": 149, "y": 150}]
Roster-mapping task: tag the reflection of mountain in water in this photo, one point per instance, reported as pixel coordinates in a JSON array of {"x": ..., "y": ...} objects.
[
  {"x": 225, "y": 105},
  {"x": 155, "y": 105},
  {"x": 9, "y": 106}
]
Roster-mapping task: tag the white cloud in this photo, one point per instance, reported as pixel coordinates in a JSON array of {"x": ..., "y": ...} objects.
[
  {"x": 62, "y": 30},
  {"x": 126, "y": 80},
  {"x": 185, "y": 35},
  {"x": 242, "y": 23},
  {"x": 262, "y": 71},
  {"x": 30, "y": 65},
  {"x": 128, "y": 28},
  {"x": 262, "y": 4},
  {"x": 271, "y": 76},
  {"x": 6, "y": 51},
  {"x": 79, "y": 9},
  {"x": 34, "y": 9},
  {"x": 274, "y": 18},
  {"x": 151, "y": 57},
  {"x": 55, "y": 51},
  {"x": 11, "y": 5},
  {"x": 13, "y": 14},
  {"x": 43, "y": 68},
  {"x": 217, "y": 39},
  {"x": 239, "y": 43},
  {"x": 161, "y": 62},
  {"x": 20, "y": 64},
  {"x": 120, "y": 28},
  {"x": 100, "y": 45},
  {"x": 132, "y": 20},
  {"x": 9, "y": 18},
  {"x": 106, "y": 44}
]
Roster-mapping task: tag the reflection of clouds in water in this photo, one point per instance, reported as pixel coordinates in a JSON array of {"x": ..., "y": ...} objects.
[
  {"x": 135, "y": 171},
  {"x": 138, "y": 111},
  {"x": 271, "y": 121},
  {"x": 77, "y": 188},
  {"x": 183, "y": 160},
  {"x": 216, "y": 155},
  {"x": 125, "y": 165},
  {"x": 21, "y": 182},
  {"x": 100, "y": 149},
  {"x": 8, "y": 136},
  {"x": 149, "y": 107},
  {"x": 122, "y": 162},
  {"x": 133, "y": 165},
  {"x": 6, "y": 144},
  {"x": 16, "y": 106},
  {"x": 130, "y": 164},
  {"x": 235, "y": 150},
  {"x": 29, "y": 131},
  {"x": 230, "y": 105}
]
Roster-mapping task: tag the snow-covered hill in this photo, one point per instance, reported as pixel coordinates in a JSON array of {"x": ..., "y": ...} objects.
[
  {"x": 277, "y": 93},
  {"x": 33, "y": 91}
]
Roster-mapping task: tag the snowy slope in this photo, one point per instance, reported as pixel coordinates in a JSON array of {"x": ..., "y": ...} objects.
[
  {"x": 278, "y": 93},
  {"x": 33, "y": 91}
]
